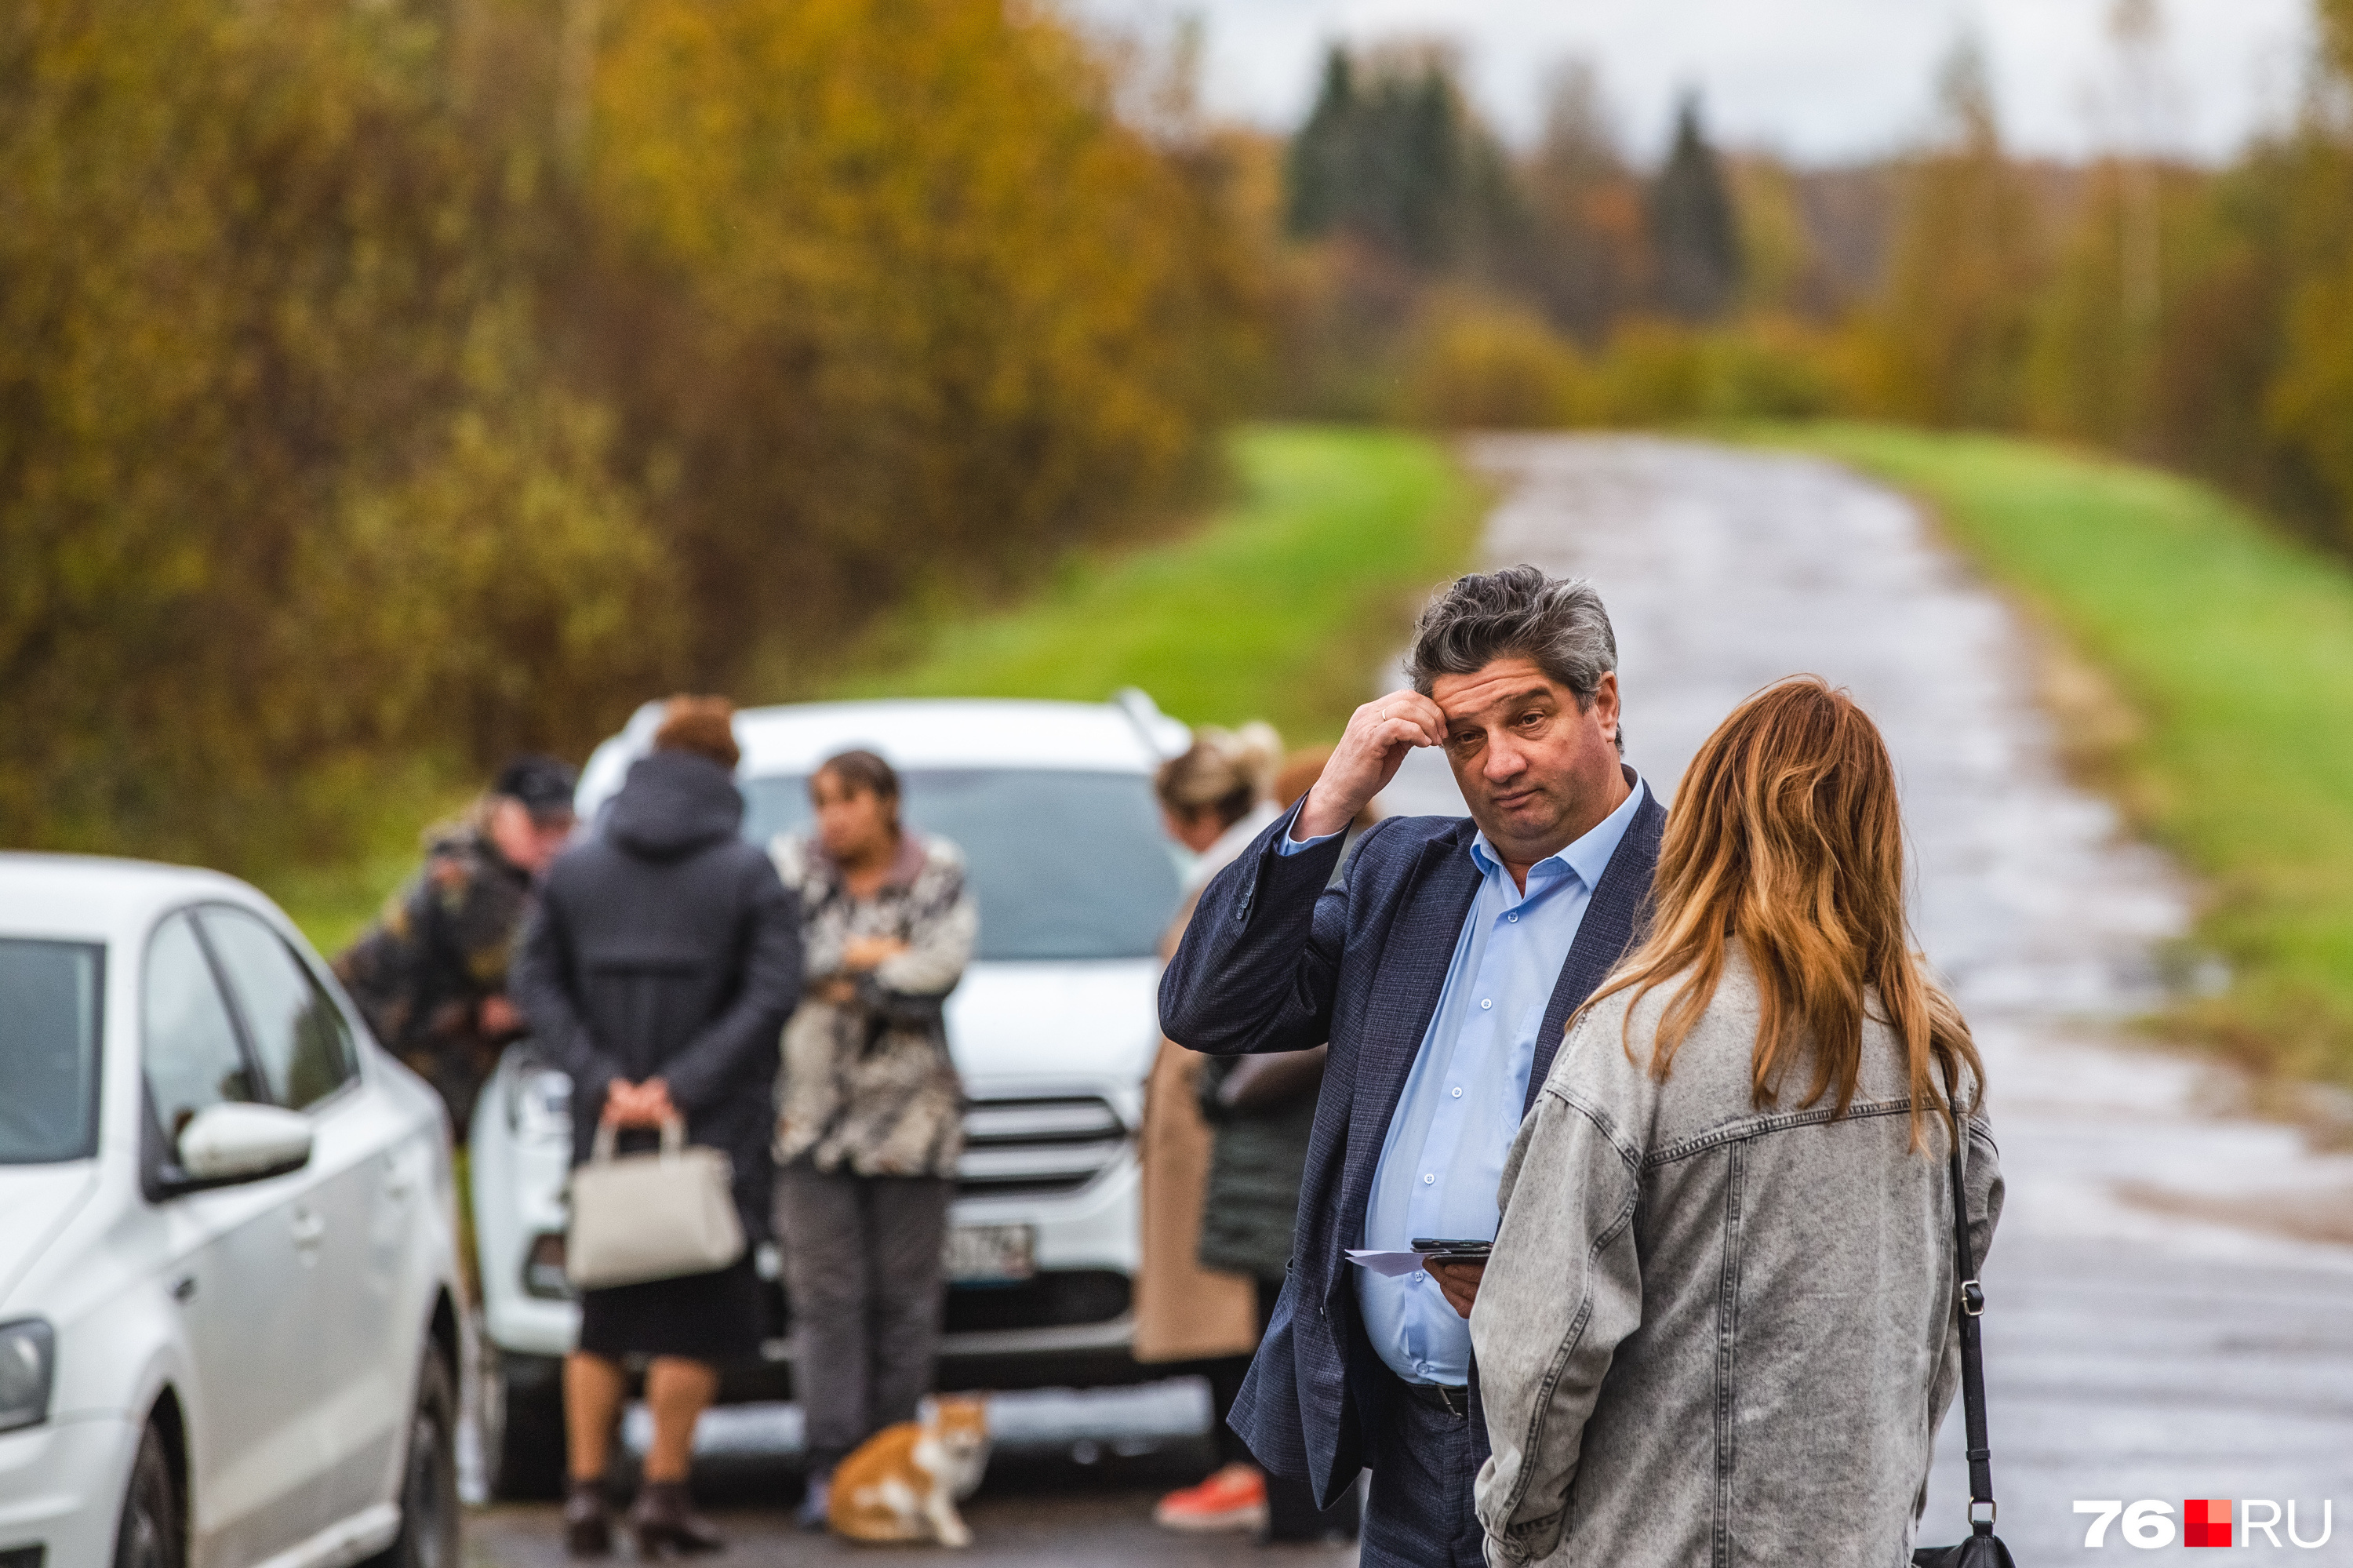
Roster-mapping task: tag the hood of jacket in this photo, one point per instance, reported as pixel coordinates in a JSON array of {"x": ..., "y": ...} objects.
[{"x": 673, "y": 803}]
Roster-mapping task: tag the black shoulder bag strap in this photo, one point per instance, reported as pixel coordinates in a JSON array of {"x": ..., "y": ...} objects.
[{"x": 1983, "y": 1549}]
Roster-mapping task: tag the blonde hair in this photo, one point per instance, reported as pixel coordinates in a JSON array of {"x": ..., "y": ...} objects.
[
  {"x": 1785, "y": 834},
  {"x": 1223, "y": 771}
]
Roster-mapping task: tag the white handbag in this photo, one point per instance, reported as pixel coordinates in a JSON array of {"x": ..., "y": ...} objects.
[{"x": 640, "y": 1217}]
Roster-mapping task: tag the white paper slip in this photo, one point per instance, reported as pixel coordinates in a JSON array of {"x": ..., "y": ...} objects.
[{"x": 1389, "y": 1262}]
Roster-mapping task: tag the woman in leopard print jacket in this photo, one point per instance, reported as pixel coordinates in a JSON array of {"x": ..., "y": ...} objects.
[{"x": 870, "y": 1112}]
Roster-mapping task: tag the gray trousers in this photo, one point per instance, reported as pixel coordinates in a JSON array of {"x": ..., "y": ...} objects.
[{"x": 861, "y": 1259}]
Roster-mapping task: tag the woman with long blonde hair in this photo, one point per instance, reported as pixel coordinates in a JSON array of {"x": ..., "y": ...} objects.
[
  {"x": 1215, "y": 797},
  {"x": 1720, "y": 1323}
]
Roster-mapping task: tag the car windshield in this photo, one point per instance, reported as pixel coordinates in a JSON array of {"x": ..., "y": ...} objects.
[
  {"x": 49, "y": 1051},
  {"x": 1064, "y": 865}
]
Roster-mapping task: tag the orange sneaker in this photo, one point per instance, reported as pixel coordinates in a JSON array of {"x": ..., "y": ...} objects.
[{"x": 1232, "y": 1498}]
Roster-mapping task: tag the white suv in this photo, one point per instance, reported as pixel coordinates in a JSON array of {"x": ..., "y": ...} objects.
[
  {"x": 230, "y": 1331},
  {"x": 1053, "y": 1029}
]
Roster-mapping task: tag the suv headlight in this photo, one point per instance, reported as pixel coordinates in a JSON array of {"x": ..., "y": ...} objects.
[
  {"x": 28, "y": 1364},
  {"x": 542, "y": 1269},
  {"x": 541, "y": 1105}
]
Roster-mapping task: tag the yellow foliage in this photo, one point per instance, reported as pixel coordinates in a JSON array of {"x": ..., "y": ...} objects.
[
  {"x": 260, "y": 295},
  {"x": 1657, "y": 372},
  {"x": 2335, "y": 18},
  {"x": 1777, "y": 260},
  {"x": 379, "y": 394},
  {"x": 2310, "y": 403},
  {"x": 1954, "y": 323},
  {"x": 967, "y": 305},
  {"x": 1479, "y": 365}
]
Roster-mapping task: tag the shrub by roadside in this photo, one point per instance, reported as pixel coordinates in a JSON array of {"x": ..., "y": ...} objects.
[
  {"x": 383, "y": 396},
  {"x": 1473, "y": 363}
]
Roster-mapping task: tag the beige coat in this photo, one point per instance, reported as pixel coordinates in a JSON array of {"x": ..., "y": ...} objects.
[{"x": 1183, "y": 1311}]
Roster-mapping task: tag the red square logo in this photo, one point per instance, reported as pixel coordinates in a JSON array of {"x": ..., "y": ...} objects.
[{"x": 2206, "y": 1522}]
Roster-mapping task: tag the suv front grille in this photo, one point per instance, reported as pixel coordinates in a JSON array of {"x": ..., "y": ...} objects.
[{"x": 1017, "y": 1147}]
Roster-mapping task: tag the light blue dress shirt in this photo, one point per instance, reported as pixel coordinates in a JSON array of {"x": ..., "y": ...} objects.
[{"x": 1443, "y": 1157}]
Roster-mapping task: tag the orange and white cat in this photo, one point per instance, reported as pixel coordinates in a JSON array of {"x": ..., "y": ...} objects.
[{"x": 903, "y": 1483}]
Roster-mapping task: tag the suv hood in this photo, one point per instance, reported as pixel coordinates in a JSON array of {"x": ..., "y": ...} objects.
[
  {"x": 1096, "y": 1021},
  {"x": 36, "y": 1202}
]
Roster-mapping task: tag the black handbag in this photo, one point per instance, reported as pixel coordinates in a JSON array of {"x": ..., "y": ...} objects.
[{"x": 1982, "y": 1549}]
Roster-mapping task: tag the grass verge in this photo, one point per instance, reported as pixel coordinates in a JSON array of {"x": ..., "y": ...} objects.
[
  {"x": 1281, "y": 607},
  {"x": 2232, "y": 648},
  {"x": 331, "y": 902}
]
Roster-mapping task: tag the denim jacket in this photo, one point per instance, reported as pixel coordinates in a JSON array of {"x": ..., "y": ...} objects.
[{"x": 1715, "y": 1333}]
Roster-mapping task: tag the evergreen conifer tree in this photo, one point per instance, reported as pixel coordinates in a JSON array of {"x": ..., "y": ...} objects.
[
  {"x": 1392, "y": 155},
  {"x": 1316, "y": 173},
  {"x": 1693, "y": 232}
]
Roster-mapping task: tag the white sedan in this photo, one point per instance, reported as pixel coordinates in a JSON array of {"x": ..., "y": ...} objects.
[{"x": 229, "y": 1312}]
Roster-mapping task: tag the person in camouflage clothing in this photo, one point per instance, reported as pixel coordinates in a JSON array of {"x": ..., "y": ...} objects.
[{"x": 430, "y": 972}]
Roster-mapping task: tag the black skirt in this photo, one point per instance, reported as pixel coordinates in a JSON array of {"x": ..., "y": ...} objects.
[{"x": 714, "y": 1318}]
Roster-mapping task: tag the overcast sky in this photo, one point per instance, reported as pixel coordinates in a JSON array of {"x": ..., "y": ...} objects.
[{"x": 1816, "y": 80}]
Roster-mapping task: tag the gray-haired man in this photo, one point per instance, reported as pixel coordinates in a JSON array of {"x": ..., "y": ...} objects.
[{"x": 1442, "y": 969}]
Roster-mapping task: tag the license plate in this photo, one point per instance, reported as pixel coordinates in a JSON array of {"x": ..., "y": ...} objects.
[{"x": 991, "y": 1254}]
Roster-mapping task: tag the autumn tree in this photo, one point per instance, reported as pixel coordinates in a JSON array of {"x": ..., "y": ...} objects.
[
  {"x": 386, "y": 386},
  {"x": 1694, "y": 235},
  {"x": 1589, "y": 258},
  {"x": 1391, "y": 155},
  {"x": 284, "y": 489},
  {"x": 921, "y": 311},
  {"x": 2307, "y": 251},
  {"x": 1953, "y": 325}
]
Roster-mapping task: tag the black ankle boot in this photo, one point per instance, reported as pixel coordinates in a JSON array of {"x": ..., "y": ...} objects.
[
  {"x": 665, "y": 1525},
  {"x": 588, "y": 1521}
]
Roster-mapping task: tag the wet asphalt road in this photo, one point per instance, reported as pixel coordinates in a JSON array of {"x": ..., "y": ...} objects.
[
  {"x": 1035, "y": 1510},
  {"x": 2160, "y": 1324},
  {"x": 1072, "y": 1480}
]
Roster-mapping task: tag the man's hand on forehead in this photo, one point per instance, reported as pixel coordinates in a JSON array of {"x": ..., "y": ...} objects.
[
  {"x": 1378, "y": 738},
  {"x": 1404, "y": 717}
]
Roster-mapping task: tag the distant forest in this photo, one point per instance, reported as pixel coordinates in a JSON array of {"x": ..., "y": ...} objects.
[{"x": 2199, "y": 317}]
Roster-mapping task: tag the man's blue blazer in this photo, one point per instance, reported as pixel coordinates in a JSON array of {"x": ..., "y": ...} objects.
[{"x": 1273, "y": 961}]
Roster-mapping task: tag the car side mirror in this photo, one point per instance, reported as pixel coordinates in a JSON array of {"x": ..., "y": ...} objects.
[{"x": 243, "y": 1143}]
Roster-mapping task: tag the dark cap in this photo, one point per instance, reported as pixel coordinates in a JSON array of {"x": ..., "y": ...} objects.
[{"x": 542, "y": 784}]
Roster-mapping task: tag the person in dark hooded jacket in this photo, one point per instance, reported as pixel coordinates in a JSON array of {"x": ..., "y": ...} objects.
[{"x": 662, "y": 961}]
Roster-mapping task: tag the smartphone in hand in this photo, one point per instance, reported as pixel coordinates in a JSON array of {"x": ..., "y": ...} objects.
[{"x": 1438, "y": 1250}]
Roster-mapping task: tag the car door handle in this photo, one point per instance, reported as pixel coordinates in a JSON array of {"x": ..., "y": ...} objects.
[{"x": 307, "y": 1228}]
